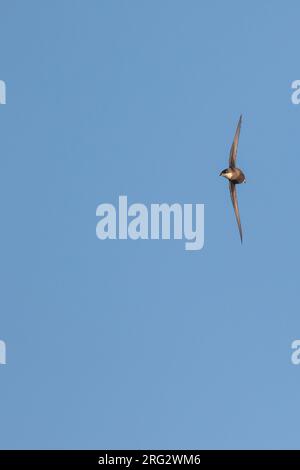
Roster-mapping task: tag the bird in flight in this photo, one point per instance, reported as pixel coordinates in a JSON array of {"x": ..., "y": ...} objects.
[{"x": 235, "y": 176}]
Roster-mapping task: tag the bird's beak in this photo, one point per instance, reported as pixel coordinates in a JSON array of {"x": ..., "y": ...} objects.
[{"x": 221, "y": 174}]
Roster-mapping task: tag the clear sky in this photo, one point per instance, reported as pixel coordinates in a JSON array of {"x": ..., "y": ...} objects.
[{"x": 141, "y": 344}]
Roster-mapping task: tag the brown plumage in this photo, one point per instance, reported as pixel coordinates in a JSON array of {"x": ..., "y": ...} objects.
[{"x": 235, "y": 175}]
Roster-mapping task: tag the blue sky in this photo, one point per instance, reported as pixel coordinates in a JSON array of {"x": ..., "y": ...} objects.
[{"x": 141, "y": 344}]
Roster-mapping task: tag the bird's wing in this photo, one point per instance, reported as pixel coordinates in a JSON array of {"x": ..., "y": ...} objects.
[
  {"x": 234, "y": 200},
  {"x": 234, "y": 147}
]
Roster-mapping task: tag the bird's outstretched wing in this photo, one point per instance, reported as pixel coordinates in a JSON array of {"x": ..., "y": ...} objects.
[
  {"x": 234, "y": 147},
  {"x": 234, "y": 200}
]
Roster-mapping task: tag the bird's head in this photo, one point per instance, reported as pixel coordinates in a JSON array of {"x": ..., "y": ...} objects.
[{"x": 226, "y": 173}]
